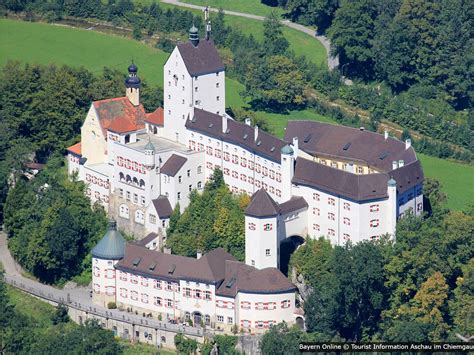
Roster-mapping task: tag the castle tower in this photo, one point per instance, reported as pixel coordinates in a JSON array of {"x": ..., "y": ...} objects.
[
  {"x": 287, "y": 171},
  {"x": 261, "y": 231},
  {"x": 105, "y": 255},
  {"x": 132, "y": 85}
]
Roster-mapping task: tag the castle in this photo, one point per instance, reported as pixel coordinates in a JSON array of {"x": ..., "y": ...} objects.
[{"x": 342, "y": 183}]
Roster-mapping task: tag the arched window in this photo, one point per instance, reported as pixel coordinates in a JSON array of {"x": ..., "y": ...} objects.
[
  {"x": 142, "y": 183},
  {"x": 139, "y": 217},
  {"x": 207, "y": 319},
  {"x": 122, "y": 176},
  {"x": 155, "y": 130},
  {"x": 127, "y": 138},
  {"x": 129, "y": 179},
  {"x": 135, "y": 181}
]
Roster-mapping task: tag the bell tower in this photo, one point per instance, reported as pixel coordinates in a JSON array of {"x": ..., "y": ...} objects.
[{"x": 132, "y": 85}]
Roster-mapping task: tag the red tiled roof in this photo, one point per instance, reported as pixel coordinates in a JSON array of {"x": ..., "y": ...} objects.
[
  {"x": 119, "y": 115},
  {"x": 76, "y": 148},
  {"x": 156, "y": 117}
]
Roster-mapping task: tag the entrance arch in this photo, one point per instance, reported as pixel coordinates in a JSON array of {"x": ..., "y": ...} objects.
[
  {"x": 300, "y": 322},
  {"x": 197, "y": 317},
  {"x": 288, "y": 247}
]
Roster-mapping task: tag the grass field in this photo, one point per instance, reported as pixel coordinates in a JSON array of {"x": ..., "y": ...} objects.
[
  {"x": 246, "y": 6},
  {"x": 40, "y": 311},
  {"x": 456, "y": 180}
]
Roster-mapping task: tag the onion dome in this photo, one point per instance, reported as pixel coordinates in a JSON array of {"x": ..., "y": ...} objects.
[
  {"x": 150, "y": 146},
  {"x": 287, "y": 150},
  {"x": 133, "y": 82},
  {"x": 194, "y": 36},
  {"x": 111, "y": 246},
  {"x": 132, "y": 68}
]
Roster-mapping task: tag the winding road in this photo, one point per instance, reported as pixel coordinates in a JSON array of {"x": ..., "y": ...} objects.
[{"x": 333, "y": 62}]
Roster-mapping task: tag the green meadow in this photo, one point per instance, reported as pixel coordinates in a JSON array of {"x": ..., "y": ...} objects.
[
  {"x": 50, "y": 44},
  {"x": 456, "y": 179},
  {"x": 246, "y": 6}
]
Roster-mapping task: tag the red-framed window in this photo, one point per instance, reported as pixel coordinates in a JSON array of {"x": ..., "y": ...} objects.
[
  {"x": 200, "y": 147},
  {"x": 207, "y": 296},
  {"x": 124, "y": 293},
  {"x": 265, "y": 171},
  {"x": 144, "y": 298},
  {"x": 250, "y": 180},
  {"x": 267, "y": 227},
  {"x": 243, "y": 162},
  {"x": 346, "y": 237},
  {"x": 278, "y": 192},
  {"x": 187, "y": 292},
  {"x": 258, "y": 183},
  {"x": 235, "y": 174},
  {"x": 243, "y": 177},
  {"x": 272, "y": 174},
  {"x": 96, "y": 271},
  {"x": 245, "y": 305},
  {"x": 144, "y": 281},
  {"x": 316, "y": 211},
  {"x": 374, "y": 223},
  {"x": 235, "y": 159},
  {"x": 374, "y": 208},
  {"x": 258, "y": 168},
  {"x": 252, "y": 226},
  {"x": 226, "y": 171},
  {"x": 158, "y": 301},
  {"x": 217, "y": 153},
  {"x": 347, "y": 206},
  {"x": 346, "y": 221},
  {"x": 251, "y": 165},
  {"x": 134, "y": 279},
  {"x": 331, "y": 201},
  {"x": 331, "y": 216},
  {"x": 134, "y": 295},
  {"x": 331, "y": 232},
  {"x": 123, "y": 276},
  {"x": 316, "y": 227},
  {"x": 285, "y": 304},
  {"x": 209, "y": 150},
  {"x": 157, "y": 284},
  {"x": 278, "y": 177},
  {"x": 272, "y": 189},
  {"x": 316, "y": 197},
  {"x": 226, "y": 156}
]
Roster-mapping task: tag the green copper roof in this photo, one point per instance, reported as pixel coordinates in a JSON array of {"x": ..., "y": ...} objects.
[
  {"x": 392, "y": 182},
  {"x": 193, "y": 29},
  {"x": 287, "y": 150},
  {"x": 149, "y": 146},
  {"x": 111, "y": 246}
]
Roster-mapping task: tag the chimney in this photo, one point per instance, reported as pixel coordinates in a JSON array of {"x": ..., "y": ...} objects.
[
  {"x": 248, "y": 121},
  {"x": 166, "y": 250},
  {"x": 407, "y": 143},
  {"x": 385, "y": 134},
  {"x": 295, "y": 145},
  {"x": 401, "y": 163},
  {"x": 224, "y": 123},
  {"x": 256, "y": 133},
  {"x": 198, "y": 254},
  {"x": 394, "y": 165}
]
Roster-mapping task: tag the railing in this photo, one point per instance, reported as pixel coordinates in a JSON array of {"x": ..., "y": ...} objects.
[{"x": 101, "y": 312}]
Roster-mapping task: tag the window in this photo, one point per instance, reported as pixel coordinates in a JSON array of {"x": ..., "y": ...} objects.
[
  {"x": 346, "y": 221},
  {"x": 134, "y": 295},
  {"x": 207, "y": 295},
  {"x": 190, "y": 188},
  {"x": 169, "y": 303},
  {"x": 347, "y": 206},
  {"x": 110, "y": 274},
  {"x": 139, "y": 217},
  {"x": 143, "y": 200},
  {"x": 188, "y": 173},
  {"x": 134, "y": 279},
  {"x": 374, "y": 237},
  {"x": 197, "y": 294},
  {"x": 334, "y": 164},
  {"x": 123, "y": 276},
  {"x": 199, "y": 169},
  {"x": 316, "y": 211},
  {"x": 217, "y": 153},
  {"x": 217, "y": 85},
  {"x": 123, "y": 211},
  {"x": 218, "y": 98},
  {"x": 316, "y": 227},
  {"x": 323, "y": 161},
  {"x": 267, "y": 227},
  {"x": 243, "y": 162},
  {"x": 253, "y": 262},
  {"x": 331, "y": 201},
  {"x": 245, "y": 305},
  {"x": 331, "y": 232},
  {"x": 419, "y": 206},
  {"x": 285, "y": 304},
  {"x": 157, "y": 284},
  {"x": 331, "y": 216},
  {"x": 267, "y": 252},
  {"x": 199, "y": 185},
  {"x": 235, "y": 159},
  {"x": 110, "y": 290},
  {"x": 158, "y": 301},
  {"x": 209, "y": 150},
  {"x": 360, "y": 170},
  {"x": 179, "y": 196},
  {"x": 123, "y": 293},
  {"x": 207, "y": 319},
  {"x": 180, "y": 179},
  {"x": 230, "y": 320},
  {"x": 316, "y": 197},
  {"x": 96, "y": 271},
  {"x": 135, "y": 198},
  {"x": 121, "y": 193},
  {"x": 374, "y": 223},
  {"x": 195, "y": 89},
  {"x": 144, "y": 298},
  {"x": 152, "y": 218},
  {"x": 252, "y": 226},
  {"x": 128, "y": 195},
  {"x": 243, "y": 177},
  {"x": 346, "y": 237},
  {"x": 374, "y": 208},
  {"x": 220, "y": 319},
  {"x": 144, "y": 281},
  {"x": 187, "y": 292}
]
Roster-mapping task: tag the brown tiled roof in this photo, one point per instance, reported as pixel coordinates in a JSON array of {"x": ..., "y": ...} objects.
[
  {"x": 156, "y": 117},
  {"x": 330, "y": 140},
  {"x": 143, "y": 242},
  {"x": 352, "y": 186},
  {"x": 238, "y": 133},
  {"x": 210, "y": 268},
  {"x": 294, "y": 204},
  {"x": 202, "y": 59},
  {"x": 119, "y": 115},
  {"x": 262, "y": 205},
  {"x": 173, "y": 164},
  {"x": 162, "y": 207},
  {"x": 240, "y": 277},
  {"x": 75, "y": 149}
]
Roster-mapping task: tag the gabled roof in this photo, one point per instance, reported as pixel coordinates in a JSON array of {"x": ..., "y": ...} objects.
[
  {"x": 238, "y": 133},
  {"x": 202, "y": 59},
  {"x": 119, "y": 115},
  {"x": 150, "y": 237},
  {"x": 210, "y": 268},
  {"x": 262, "y": 205},
  {"x": 75, "y": 149},
  {"x": 349, "y": 143},
  {"x": 173, "y": 164},
  {"x": 111, "y": 246},
  {"x": 240, "y": 277},
  {"x": 162, "y": 207},
  {"x": 355, "y": 187},
  {"x": 156, "y": 117},
  {"x": 294, "y": 204}
]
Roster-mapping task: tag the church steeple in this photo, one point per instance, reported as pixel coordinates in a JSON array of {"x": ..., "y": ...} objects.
[
  {"x": 133, "y": 84},
  {"x": 194, "y": 36}
]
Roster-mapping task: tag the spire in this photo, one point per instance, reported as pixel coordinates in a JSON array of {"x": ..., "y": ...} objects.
[{"x": 194, "y": 36}]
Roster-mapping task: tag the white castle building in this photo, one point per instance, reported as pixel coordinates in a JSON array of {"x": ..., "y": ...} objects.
[{"x": 326, "y": 180}]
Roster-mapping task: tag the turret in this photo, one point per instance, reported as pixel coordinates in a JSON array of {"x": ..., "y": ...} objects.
[
  {"x": 109, "y": 250},
  {"x": 194, "y": 36},
  {"x": 149, "y": 155},
  {"x": 392, "y": 206},
  {"x": 287, "y": 171},
  {"x": 132, "y": 85}
]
